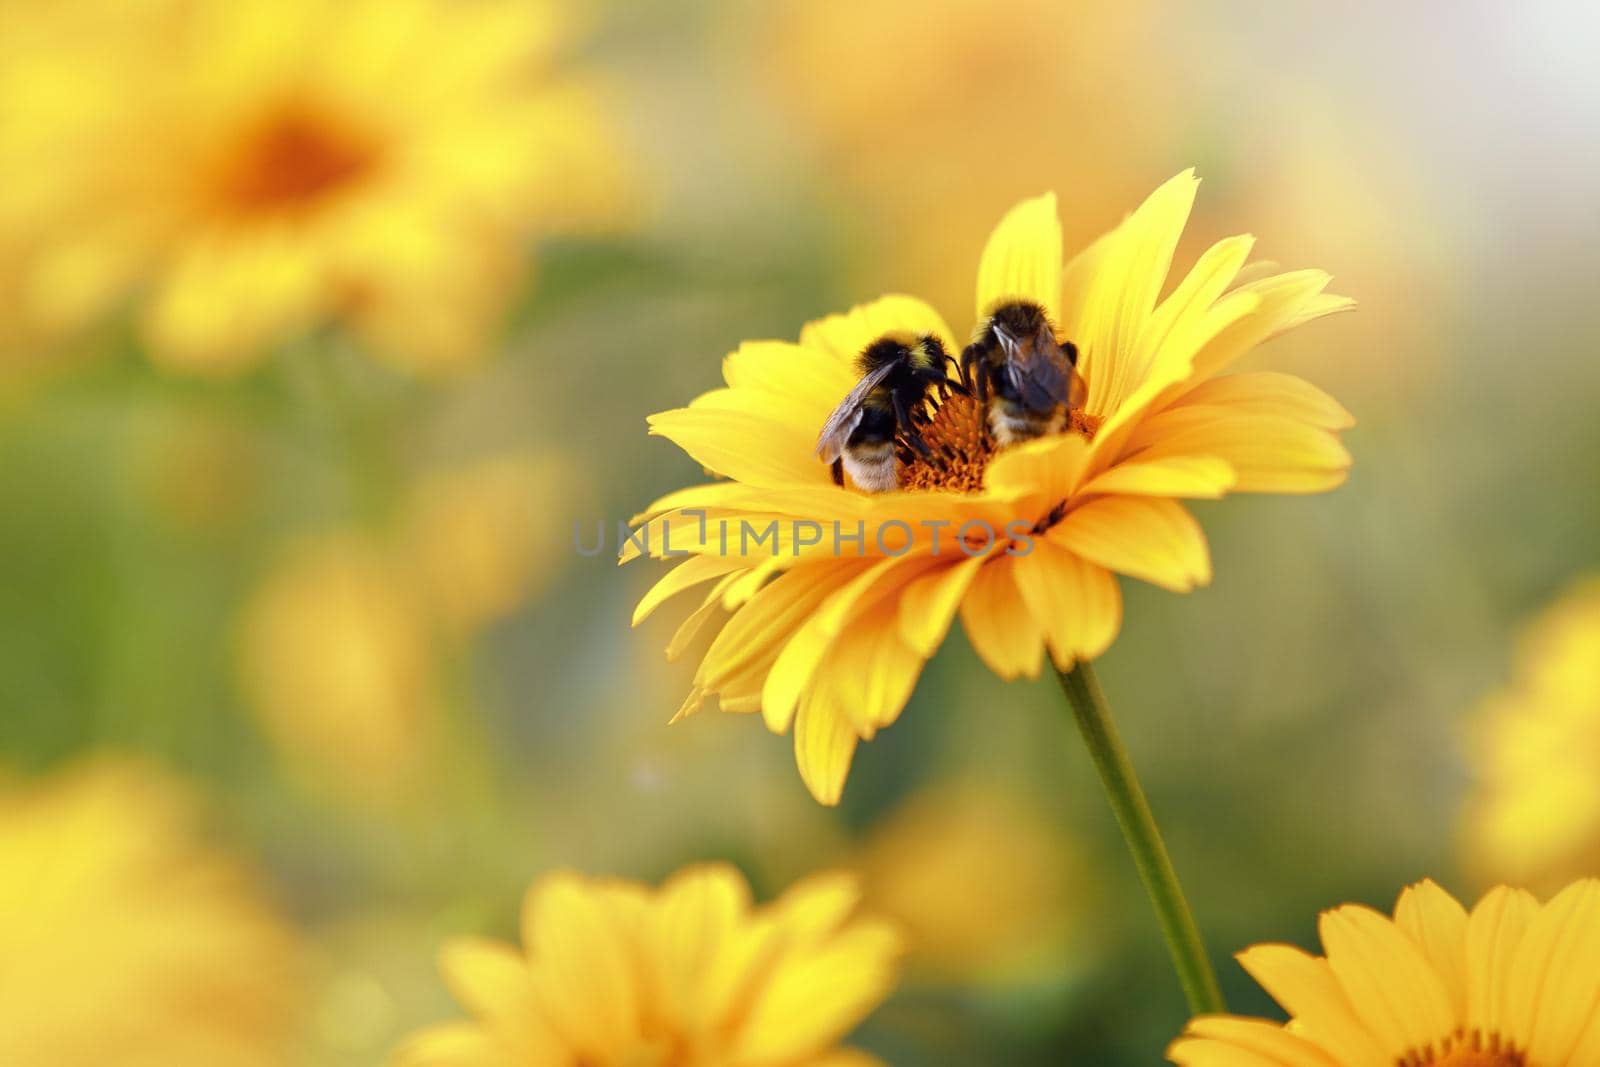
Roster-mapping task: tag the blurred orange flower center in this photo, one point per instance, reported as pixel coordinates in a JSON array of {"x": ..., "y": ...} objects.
[{"x": 293, "y": 161}]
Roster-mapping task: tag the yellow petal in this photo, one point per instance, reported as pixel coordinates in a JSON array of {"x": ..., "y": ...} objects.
[
  {"x": 1268, "y": 453},
  {"x": 998, "y": 623},
  {"x": 928, "y": 606},
  {"x": 1587, "y": 1049},
  {"x": 842, "y": 337},
  {"x": 820, "y": 991},
  {"x": 1168, "y": 380},
  {"x": 824, "y": 745},
  {"x": 225, "y": 300},
  {"x": 491, "y": 980},
  {"x": 1075, "y": 603},
  {"x": 582, "y": 966},
  {"x": 869, "y": 671},
  {"x": 699, "y": 910},
  {"x": 1022, "y": 260},
  {"x": 1150, "y": 538},
  {"x": 1272, "y": 393},
  {"x": 747, "y": 446},
  {"x": 685, "y": 576},
  {"x": 854, "y": 586},
  {"x": 1128, "y": 278},
  {"x": 816, "y": 906},
  {"x": 1240, "y": 1041},
  {"x": 1388, "y": 981},
  {"x": 1188, "y": 477},
  {"x": 709, "y": 613},
  {"x": 1495, "y": 930},
  {"x": 758, "y": 631},
  {"x": 1307, "y": 988},
  {"x": 457, "y": 1045},
  {"x": 1177, "y": 316},
  {"x": 1555, "y": 980},
  {"x": 1285, "y": 301},
  {"x": 790, "y": 376},
  {"x": 1047, "y": 468},
  {"x": 1437, "y": 923}
]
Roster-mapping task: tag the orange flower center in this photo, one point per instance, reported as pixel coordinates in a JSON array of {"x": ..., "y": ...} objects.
[
  {"x": 1464, "y": 1049},
  {"x": 293, "y": 161},
  {"x": 961, "y": 447}
]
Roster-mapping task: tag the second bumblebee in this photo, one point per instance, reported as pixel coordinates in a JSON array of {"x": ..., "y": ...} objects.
[{"x": 1024, "y": 378}]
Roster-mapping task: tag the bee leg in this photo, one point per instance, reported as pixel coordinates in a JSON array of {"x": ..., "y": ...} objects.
[
  {"x": 982, "y": 388},
  {"x": 838, "y": 473},
  {"x": 958, "y": 382},
  {"x": 902, "y": 415}
]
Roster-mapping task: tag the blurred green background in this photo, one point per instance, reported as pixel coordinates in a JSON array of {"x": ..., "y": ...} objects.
[{"x": 183, "y": 559}]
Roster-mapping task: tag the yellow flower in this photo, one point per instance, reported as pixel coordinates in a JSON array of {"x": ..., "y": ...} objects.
[
  {"x": 482, "y": 535},
  {"x": 827, "y": 634},
  {"x": 335, "y": 658},
  {"x": 1513, "y": 984},
  {"x": 614, "y": 974},
  {"x": 126, "y": 940},
  {"x": 250, "y": 169},
  {"x": 987, "y": 891},
  {"x": 1534, "y": 816}
]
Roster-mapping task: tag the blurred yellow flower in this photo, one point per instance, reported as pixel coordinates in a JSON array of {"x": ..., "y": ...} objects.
[
  {"x": 829, "y": 635},
  {"x": 335, "y": 658},
  {"x": 1513, "y": 984},
  {"x": 342, "y": 646},
  {"x": 483, "y": 534},
  {"x": 988, "y": 892},
  {"x": 614, "y": 974},
  {"x": 1534, "y": 816},
  {"x": 124, "y": 939},
  {"x": 930, "y": 111},
  {"x": 249, "y": 169}
]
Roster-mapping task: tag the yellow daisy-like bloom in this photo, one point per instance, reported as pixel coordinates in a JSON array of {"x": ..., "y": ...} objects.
[
  {"x": 1513, "y": 984},
  {"x": 827, "y": 633},
  {"x": 481, "y": 535},
  {"x": 250, "y": 169},
  {"x": 614, "y": 974},
  {"x": 124, "y": 939},
  {"x": 336, "y": 659},
  {"x": 989, "y": 893},
  {"x": 1534, "y": 817}
]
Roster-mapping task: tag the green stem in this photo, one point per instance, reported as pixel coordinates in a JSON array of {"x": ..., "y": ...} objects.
[{"x": 1132, "y": 810}]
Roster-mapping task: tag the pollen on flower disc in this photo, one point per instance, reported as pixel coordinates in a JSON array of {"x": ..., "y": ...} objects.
[{"x": 960, "y": 448}]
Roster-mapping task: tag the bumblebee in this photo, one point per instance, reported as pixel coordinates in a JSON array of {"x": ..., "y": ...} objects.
[
  {"x": 1024, "y": 379},
  {"x": 882, "y": 416}
]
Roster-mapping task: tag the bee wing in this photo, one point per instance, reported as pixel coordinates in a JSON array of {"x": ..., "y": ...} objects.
[
  {"x": 847, "y": 416},
  {"x": 1040, "y": 380}
]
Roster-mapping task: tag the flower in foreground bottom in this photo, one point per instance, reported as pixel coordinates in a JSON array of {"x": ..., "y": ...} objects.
[
  {"x": 614, "y": 974},
  {"x": 825, "y": 600},
  {"x": 125, "y": 939},
  {"x": 1534, "y": 816},
  {"x": 1512, "y": 984}
]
